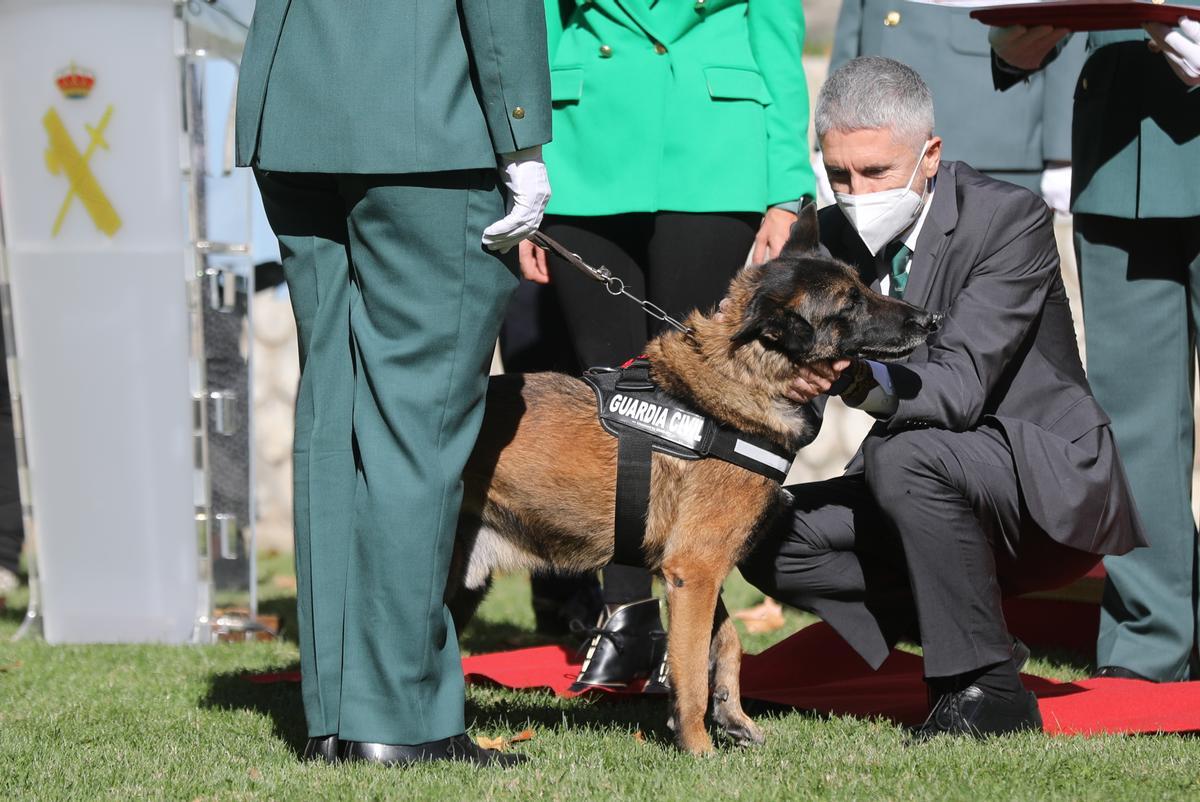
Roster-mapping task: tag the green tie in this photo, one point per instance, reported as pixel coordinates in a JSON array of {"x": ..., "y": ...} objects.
[{"x": 898, "y": 254}]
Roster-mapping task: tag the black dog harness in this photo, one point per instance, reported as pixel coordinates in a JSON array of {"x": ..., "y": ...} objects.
[{"x": 644, "y": 419}]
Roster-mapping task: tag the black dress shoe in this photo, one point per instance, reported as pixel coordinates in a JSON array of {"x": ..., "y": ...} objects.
[
  {"x": 1020, "y": 656},
  {"x": 324, "y": 749},
  {"x": 1119, "y": 672},
  {"x": 458, "y": 747},
  {"x": 628, "y": 645},
  {"x": 972, "y": 711}
]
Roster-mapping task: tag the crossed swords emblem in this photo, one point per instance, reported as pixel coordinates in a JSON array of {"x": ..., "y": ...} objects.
[{"x": 63, "y": 157}]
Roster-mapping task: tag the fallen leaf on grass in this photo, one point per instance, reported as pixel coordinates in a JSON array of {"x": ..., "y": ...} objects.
[
  {"x": 10, "y": 667},
  {"x": 255, "y": 774},
  {"x": 764, "y": 617},
  {"x": 501, "y": 743},
  {"x": 637, "y": 736}
]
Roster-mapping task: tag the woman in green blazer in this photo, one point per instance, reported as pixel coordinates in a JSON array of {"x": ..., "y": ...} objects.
[{"x": 680, "y": 142}]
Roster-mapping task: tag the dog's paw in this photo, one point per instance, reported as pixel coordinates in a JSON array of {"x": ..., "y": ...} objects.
[
  {"x": 734, "y": 722},
  {"x": 745, "y": 733}
]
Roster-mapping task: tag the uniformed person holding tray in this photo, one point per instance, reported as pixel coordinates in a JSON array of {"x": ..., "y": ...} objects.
[{"x": 1136, "y": 200}]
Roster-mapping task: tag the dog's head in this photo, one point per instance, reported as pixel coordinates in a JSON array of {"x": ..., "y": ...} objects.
[{"x": 811, "y": 307}]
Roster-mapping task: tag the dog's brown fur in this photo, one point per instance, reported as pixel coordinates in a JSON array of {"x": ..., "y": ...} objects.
[{"x": 541, "y": 483}]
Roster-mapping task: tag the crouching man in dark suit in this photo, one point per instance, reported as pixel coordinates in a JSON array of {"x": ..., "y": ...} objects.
[{"x": 992, "y": 470}]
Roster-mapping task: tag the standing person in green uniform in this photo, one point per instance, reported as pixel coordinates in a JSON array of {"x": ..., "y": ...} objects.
[
  {"x": 374, "y": 129},
  {"x": 681, "y": 144},
  {"x": 1136, "y": 200},
  {"x": 1022, "y": 136}
]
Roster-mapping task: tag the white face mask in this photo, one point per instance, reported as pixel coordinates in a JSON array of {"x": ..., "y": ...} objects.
[{"x": 880, "y": 216}]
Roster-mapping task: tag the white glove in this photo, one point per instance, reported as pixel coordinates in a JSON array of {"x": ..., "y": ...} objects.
[
  {"x": 1056, "y": 188},
  {"x": 524, "y": 174},
  {"x": 824, "y": 191},
  {"x": 1180, "y": 46}
]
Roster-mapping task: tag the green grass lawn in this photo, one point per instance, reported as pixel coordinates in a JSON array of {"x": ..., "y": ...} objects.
[{"x": 133, "y": 722}]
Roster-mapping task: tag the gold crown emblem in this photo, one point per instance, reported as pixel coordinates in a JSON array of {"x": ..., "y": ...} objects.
[{"x": 75, "y": 82}]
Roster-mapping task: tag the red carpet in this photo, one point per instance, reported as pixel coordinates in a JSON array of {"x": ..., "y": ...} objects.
[{"x": 815, "y": 670}]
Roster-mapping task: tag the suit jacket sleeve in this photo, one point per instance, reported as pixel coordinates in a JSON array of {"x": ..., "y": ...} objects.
[
  {"x": 1005, "y": 75},
  {"x": 777, "y": 43},
  {"x": 987, "y": 323},
  {"x": 847, "y": 36},
  {"x": 508, "y": 51},
  {"x": 1057, "y": 104}
]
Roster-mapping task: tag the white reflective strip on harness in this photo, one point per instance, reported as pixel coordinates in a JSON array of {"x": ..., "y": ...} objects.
[{"x": 761, "y": 455}]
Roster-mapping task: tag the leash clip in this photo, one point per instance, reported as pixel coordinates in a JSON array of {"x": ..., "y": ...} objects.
[{"x": 614, "y": 285}]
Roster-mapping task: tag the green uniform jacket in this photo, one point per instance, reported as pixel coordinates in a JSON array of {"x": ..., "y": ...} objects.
[
  {"x": 391, "y": 86},
  {"x": 677, "y": 105},
  {"x": 1136, "y": 148},
  {"x": 1017, "y": 130}
]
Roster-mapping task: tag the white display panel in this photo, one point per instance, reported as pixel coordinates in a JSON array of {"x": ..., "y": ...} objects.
[{"x": 96, "y": 256}]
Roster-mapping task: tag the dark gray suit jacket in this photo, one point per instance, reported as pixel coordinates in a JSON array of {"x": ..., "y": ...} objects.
[{"x": 1006, "y": 352}]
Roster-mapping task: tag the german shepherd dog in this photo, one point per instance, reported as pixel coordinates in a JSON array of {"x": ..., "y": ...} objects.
[{"x": 540, "y": 487}]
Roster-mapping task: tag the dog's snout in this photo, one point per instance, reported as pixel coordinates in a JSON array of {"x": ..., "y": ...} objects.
[{"x": 921, "y": 321}]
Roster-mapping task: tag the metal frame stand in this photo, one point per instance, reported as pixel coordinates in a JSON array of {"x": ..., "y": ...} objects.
[{"x": 220, "y": 294}]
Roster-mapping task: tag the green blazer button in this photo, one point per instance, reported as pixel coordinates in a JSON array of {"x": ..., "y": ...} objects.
[
  {"x": 519, "y": 113},
  {"x": 605, "y": 51},
  {"x": 892, "y": 19}
]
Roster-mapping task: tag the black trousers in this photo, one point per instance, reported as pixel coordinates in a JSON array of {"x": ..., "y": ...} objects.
[
  {"x": 926, "y": 541},
  {"x": 678, "y": 261}
]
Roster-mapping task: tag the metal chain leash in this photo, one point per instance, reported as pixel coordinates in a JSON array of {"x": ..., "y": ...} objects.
[{"x": 614, "y": 285}]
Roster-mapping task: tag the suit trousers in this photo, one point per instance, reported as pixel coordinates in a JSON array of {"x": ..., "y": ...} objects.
[
  {"x": 1141, "y": 300},
  {"x": 926, "y": 541},
  {"x": 679, "y": 261},
  {"x": 398, "y": 306}
]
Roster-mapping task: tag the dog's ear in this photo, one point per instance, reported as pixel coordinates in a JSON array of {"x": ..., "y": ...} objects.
[
  {"x": 767, "y": 319},
  {"x": 754, "y": 318},
  {"x": 793, "y": 334},
  {"x": 805, "y": 236}
]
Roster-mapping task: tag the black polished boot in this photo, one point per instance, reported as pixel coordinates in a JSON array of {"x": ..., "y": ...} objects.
[
  {"x": 660, "y": 677},
  {"x": 458, "y": 747},
  {"x": 323, "y": 749},
  {"x": 628, "y": 645}
]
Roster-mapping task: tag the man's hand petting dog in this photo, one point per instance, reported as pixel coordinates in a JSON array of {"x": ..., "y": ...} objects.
[{"x": 815, "y": 379}]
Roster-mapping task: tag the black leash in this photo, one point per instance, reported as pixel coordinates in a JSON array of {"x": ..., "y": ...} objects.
[{"x": 613, "y": 284}]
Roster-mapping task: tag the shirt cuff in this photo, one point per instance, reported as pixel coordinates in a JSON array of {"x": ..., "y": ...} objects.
[
  {"x": 788, "y": 206},
  {"x": 881, "y": 401}
]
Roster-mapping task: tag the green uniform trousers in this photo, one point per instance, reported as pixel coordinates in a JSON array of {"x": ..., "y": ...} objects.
[
  {"x": 1141, "y": 302},
  {"x": 398, "y": 306}
]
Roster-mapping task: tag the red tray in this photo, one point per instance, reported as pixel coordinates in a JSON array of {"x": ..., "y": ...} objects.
[{"x": 1086, "y": 15}]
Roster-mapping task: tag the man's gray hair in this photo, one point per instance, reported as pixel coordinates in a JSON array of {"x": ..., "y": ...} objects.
[{"x": 876, "y": 92}]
